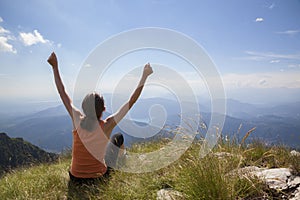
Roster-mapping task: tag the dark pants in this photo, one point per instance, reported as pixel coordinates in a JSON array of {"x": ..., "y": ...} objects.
[{"x": 112, "y": 151}]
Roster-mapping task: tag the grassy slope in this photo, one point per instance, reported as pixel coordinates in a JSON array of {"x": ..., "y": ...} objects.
[{"x": 206, "y": 178}]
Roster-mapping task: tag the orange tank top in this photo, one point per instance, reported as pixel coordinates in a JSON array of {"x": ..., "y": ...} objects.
[{"x": 88, "y": 153}]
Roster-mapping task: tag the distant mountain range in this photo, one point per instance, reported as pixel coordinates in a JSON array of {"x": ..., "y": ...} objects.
[
  {"x": 15, "y": 152},
  {"x": 51, "y": 129},
  {"x": 248, "y": 111}
]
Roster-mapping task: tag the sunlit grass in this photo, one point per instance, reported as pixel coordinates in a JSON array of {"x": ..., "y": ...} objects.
[
  {"x": 41, "y": 182},
  {"x": 211, "y": 177}
]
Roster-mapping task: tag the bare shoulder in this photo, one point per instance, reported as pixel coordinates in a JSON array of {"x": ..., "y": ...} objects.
[
  {"x": 108, "y": 126},
  {"x": 109, "y": 123}
]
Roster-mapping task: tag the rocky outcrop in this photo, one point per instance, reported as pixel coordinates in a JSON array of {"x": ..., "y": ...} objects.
[{"x": 280, "y": 180}]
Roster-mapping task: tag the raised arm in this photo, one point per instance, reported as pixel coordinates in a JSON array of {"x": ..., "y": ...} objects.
[
  {"x": 52, "y": 60},
  {"x": 114, "y": 119}
]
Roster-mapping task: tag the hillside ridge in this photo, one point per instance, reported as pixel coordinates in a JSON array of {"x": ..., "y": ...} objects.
[{"x": 16, "y": 153}]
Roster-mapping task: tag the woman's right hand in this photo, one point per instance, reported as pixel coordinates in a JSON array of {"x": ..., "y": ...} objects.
[
  {"x": 52, "y": 60},
  {"x": 147, "y": 70}
]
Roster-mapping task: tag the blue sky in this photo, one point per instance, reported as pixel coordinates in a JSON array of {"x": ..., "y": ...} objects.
[{"x": 255, "y": 44}]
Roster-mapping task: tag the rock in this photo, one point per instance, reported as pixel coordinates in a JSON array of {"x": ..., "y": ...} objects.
[
  {"x": 169, "y": 194},
  {"x": 275, "y": 178},
  {"x": 293, "y": 182},
  {"x": 295, "y": 153},
  {"x": 296, "y": 194},
  {"x": 279, "y": 179}
]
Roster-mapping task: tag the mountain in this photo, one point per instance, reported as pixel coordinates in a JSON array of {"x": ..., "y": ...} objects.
[
  {"x": 291, "y": 110},
  {"x": 247, "y": 111},
  {"x": 15, "y": 152},
  {"x": 53, "y": 133},
  {"x": 51, "y": 129}
]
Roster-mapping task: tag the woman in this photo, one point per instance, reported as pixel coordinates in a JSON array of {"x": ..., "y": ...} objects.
[{"x": 90, "y": 131}]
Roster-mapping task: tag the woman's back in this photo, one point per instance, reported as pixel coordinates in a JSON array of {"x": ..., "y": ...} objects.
[{"x": 88, "y": 152}]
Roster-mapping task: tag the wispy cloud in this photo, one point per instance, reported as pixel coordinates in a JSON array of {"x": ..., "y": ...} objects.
[
  {"x": 5, "y": 76},
  {"x": 271, "y": 6},
  {"x": 294, "y": 66},
  {"x": 273, "y": 57},
  {"x": 3, "y": 31},
  {"x": 88, "y": 65},
  {"x": 275, "y": 61},
  {"x": 259, "y": 19},
  {"x": 289, "y": 32},
  {"x": 29, "y": 39},
  {"x": 262, "y": 80},
  {"x": 1, "y": 20}
]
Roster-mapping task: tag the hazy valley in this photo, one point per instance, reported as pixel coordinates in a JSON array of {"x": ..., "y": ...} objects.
[{"x": 51, "y": 128}]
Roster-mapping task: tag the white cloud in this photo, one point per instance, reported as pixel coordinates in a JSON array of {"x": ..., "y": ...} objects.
[
  {"x": 5, "y": 46},
  {"x": 259, "y": 19},
  {"x": 3, "y": 31},
  {"x": 29, "y": 39},
  {"x": 283, "y": 79},
  {"x": 289, "y": 32},
  {"x": 1, "y": 20},
  {"x": 5, "y": 36}
]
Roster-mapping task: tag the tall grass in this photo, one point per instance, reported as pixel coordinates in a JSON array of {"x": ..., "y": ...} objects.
[
  {"x": 210, "y": 177},
  {"x": 41, "y": 182}
]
